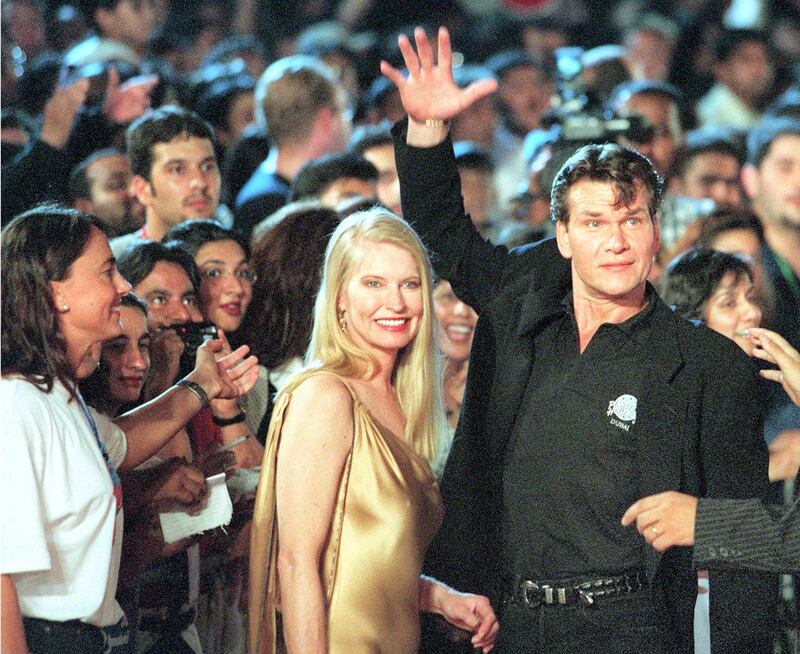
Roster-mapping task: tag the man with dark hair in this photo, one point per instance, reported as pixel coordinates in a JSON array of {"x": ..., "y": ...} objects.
[
  {"x": 476, "y": 171},
  {"x": 744, "y": 71},
  {"x": 227, "y": 103},
  {"x": 584, "y": 392},
  {"x": 100, "y": 185},
  {"x": 374, "y": 143},
  {"x": 771, "y": 178},
  {"x": 479, "y": 121},
  {"x": 121, "y": 27},
  {"x": 708, "y": 166},
  {"x": 301, "y": 104},
  {"x": 524, "y": 88},
  {"x": 335, "y": 177},
  {"x": 175, "y": 173}
]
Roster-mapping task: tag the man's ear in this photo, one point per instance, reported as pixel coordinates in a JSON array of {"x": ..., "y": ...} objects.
[
  {"x": 750, "y": 180},
  {"x": 84, "y": 204},
  {"x": 142, "y": 189},
  {"x": 562, "y": 238},
  {"x": 656, "y": 233}
]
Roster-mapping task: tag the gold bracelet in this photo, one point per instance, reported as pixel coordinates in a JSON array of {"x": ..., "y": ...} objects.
[{"x": 434, "y": 122}]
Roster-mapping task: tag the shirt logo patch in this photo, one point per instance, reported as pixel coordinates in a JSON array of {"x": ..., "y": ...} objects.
[{"x": 622, "y": 412}]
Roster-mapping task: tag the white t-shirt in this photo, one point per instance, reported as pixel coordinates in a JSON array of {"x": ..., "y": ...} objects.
[{"x": 60, "y": 530}]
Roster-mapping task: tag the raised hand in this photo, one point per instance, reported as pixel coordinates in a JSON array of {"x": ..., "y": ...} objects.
[
  {"x": 429, "y": 91},
  {"x": 772, "y": 347},
  {"x": 229, "y": 376},
  {"x": 60, "y": 112},
  {"x": 126, "y": 102}
]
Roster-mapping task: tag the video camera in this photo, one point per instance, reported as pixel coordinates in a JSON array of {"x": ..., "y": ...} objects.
[{"x": 578, "y": 115}]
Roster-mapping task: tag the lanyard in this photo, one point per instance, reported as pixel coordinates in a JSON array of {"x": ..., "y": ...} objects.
[{"x": 115, "y": 481}]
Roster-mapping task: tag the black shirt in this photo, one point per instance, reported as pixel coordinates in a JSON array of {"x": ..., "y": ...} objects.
[{"x": 570, "y": 469}]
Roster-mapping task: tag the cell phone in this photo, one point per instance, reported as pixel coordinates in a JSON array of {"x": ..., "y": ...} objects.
[
  {"x": 193, "y": 335},
  {"x": 98, "y": 81}
]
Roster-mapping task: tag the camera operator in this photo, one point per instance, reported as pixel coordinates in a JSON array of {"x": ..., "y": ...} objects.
[{"x": 659, "y": 104}]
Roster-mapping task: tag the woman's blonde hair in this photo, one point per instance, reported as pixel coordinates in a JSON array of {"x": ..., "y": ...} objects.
[{"x": 416, "y": 376}]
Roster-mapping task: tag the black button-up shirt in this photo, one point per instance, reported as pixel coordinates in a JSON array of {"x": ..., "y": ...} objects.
[{"x": 570, "y": 468}]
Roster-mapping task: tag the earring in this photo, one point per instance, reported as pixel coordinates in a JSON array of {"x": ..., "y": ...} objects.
[
  {"x": 342, "y": 321},
  {"x": 65, "y": 308}
]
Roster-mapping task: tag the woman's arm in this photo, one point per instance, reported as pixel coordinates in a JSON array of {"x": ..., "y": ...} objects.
[
  {"x": 13, "y": 633},
  {"x": 472, "y": 613},
  {"x": 148, "y": 427},
  {"x": 250, "y": 452},
  {"x": 316, "y": 438}
]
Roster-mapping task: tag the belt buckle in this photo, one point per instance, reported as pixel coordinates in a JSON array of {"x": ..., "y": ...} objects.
[{"x": 526, "y": 587}]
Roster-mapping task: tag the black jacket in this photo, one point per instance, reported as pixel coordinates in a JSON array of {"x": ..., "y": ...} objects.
[{"x": 698, "y": 426}]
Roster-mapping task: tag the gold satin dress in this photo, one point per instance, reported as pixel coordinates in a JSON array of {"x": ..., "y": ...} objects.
[{"x": 387, "y": 511}]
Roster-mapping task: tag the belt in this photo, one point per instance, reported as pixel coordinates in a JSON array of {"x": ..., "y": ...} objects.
[
  {"x": 67, "y": 636},
  {"x": 571, "y": 592}
]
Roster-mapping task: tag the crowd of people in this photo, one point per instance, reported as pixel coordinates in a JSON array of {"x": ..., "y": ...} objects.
[{"x": 469, "y": 303}]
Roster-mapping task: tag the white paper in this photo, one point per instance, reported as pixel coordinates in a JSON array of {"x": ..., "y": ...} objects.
[{"x": 218, "y": 511}]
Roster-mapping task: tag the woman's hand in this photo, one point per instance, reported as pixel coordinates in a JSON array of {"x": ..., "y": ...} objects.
[
  {"x": 228, "y": 376},
  {"x": 784, "y": 455},
  {"x": 772, "y": 347},
  {"x": 429, "y": 91},
  {"x": 466, "y": 611}
]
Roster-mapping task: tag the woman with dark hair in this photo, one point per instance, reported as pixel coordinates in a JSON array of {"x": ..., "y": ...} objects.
[
  {"x": 739, "y": 231},
  {"x": 62, "y": 503},
  {"x": 124, "y": 362},
  {"x": 222, "y": 259},
  {"x": 714, "y": 288},
  {"x": 717, "y": 289},
  {"x": 288, "y": 251}
]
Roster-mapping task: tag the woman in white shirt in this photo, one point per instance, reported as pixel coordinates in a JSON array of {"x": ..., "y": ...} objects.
[{"x": 61, "y": 498}]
